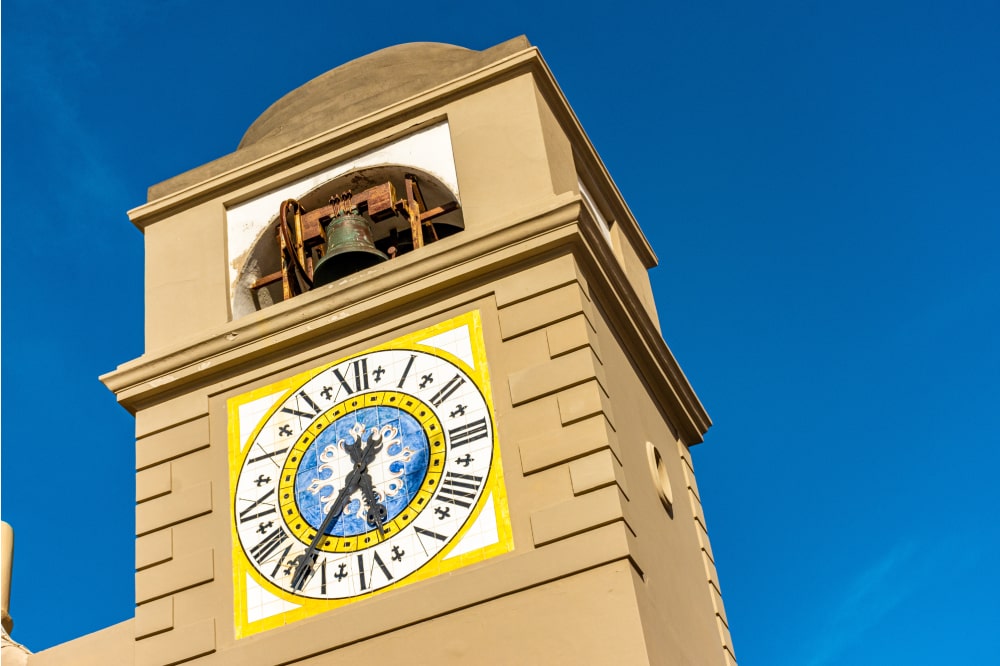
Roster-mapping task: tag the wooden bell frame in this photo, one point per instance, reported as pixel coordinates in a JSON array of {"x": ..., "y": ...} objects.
[{"x": 301, "y": 234}]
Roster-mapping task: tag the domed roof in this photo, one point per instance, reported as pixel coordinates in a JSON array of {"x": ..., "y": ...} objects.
[
  {"x": 365, "y": 85},
  {"x": 353, "y": 90}
]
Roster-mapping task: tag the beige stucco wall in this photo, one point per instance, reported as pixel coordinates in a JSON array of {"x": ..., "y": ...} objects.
[
  {"x": 668, "y": 549},
  {"x": 107, "y": 646},
  {"x": 186, "y": 289},
  {"x": 579, "y": 489},
  {"x": 531, "y": 627}
]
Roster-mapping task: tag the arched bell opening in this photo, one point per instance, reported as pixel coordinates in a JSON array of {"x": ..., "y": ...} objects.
[{"x": 403, "y": 208}]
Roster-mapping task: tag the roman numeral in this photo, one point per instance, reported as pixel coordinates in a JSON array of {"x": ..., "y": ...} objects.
[
  {"x": 381, "y": 565},
  {"x": 457, "y": 488},
  {"x": 268, "y": 545},
  {"x": 428, "y": 533},
  {"x": 406, "y": 371},
  {"x": 376, "y": 559},
  {"x": 267, "y": 455},
  {"x": 322, "y": 577},
  {"x": 277, "y": 565},
  {"x": 469, "y": 432},
  {"x": 420, "y": 530},
  {"x": 304, "y": 415},
  {"x": 245, "y": 514},
  {"x": 359, "y": 369},
  {"x": 447, "y": 390}
]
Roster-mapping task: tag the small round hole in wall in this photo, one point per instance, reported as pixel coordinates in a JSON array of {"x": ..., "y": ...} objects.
[{"x": 661, "y": 481}]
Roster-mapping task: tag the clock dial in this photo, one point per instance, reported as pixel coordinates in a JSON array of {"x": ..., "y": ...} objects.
[{"x": 365, "y": 473}]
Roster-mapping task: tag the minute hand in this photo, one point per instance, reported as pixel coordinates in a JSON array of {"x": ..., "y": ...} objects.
[
  {"x": 305, "y": 561},
  {"x": 350, "y": 486}
]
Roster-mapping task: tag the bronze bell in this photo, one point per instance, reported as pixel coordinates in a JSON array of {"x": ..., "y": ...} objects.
[{"x": 349, "y": 248}]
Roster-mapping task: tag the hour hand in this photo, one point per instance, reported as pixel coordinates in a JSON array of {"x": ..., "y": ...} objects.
[
  {"x": 376, "y": 512},
  {"x": 354, "y": 448},
  {"x": 308, "y": 558},
  {"x": 372, "y": 448},
  {"x": 360, "y": 455}
]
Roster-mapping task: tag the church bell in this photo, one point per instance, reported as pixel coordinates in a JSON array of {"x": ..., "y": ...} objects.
[{"x": 350, "y": 247}]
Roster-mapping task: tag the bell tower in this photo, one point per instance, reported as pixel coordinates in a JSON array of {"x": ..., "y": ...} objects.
[{"x": 404, "y": 394}]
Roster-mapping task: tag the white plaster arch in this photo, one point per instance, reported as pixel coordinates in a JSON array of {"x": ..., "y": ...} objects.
[{"x": 252, "y": 252}]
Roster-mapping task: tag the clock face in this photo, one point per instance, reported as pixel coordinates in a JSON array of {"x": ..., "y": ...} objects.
[{"x": 363, "y": 475}]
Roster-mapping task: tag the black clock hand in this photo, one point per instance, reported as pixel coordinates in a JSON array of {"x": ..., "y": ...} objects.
[
  {"x": 361, "y": 458},
  {"x": 355, "y": 450},
  {"x": 307, "y": 559},
  {"x": 376, "y": 512}
]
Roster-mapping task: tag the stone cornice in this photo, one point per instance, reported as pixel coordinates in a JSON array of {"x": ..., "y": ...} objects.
[
  {"x": 336, "y": 306},
  {"x": 326, "y": 312}
]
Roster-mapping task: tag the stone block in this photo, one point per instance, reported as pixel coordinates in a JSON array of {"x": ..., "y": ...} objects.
[
  {"x": 527, "y": 351},
  {"x": 542, "y": 310},
  {"x": 179, "y": 573},
  {"x": 594, "y": 471},
  {"x": 153, "y": 549},
  {"x": 536, "y": 280},
  {"x": 174, "y": 508},
  {"x": 168, "y": 413},
  {"x": 711, "y": 574},
  {"x": 725, "y": 636},
  {"x": 559, "y": 373},
  {"x": 154, "y": 618},
  {"x": 573, "y": 441},
  {"x": 532, "y": 419},
  {"x": 692, "y": 483},
  {"x": 152, "y": 482},
  {"x": 720, "y": 608},
  {"x": 703, "y": 540},
  {"x": 685, "y": 454},
  {"x": 571, "y": 334},
  {"x": 696, "y": 509},
  {"x": 182, "y": 644},
  {"x": 577, "y": 515},
  {"x": 171, "y": 443},
  {"x": 582, "y": 401}
]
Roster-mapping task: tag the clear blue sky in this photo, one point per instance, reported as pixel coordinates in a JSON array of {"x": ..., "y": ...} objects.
[{"x": 821, "y": 183}]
